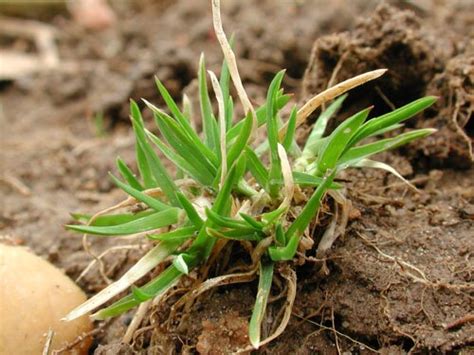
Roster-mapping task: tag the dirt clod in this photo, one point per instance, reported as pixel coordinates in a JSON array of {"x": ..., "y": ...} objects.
[
  {"x": 419, "y": 63},
  {"x": 228, "y": 334}
]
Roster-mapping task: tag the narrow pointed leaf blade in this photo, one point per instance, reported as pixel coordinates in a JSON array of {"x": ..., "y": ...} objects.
[
  {"x": 311, "y": 208},
  {"x": 183, "y": 122},
  {"x": 224, "y": 222},
  {"x": 159, "y": 285},
  {"x": 142, "y": 162},
  {"x": 180, "y": 234},
  {"x": 338, "y": 141},
  {"x": 128, "y": 175},
  {"x": 241, "y": 141},
  {"x": 112, "y": 219},
  {"x": 252, "y": 222},
  {"x": 208, "y": 120},
  {"x": 155, "y": 166},
  {"x": 261, "y": 112},
  {"x": 182, "y": 144},
  {"x": 364, "y": 151},
  {"x": 258, "y": 313},
  {"x": 140, "y": 196},
  {"x": 173, "y": 107},
  {"x": 190, "y": 210},
  {"x": 290, "y": 132},
  {"x": 399, "y": 115},
  {"x": 287, "y": 252},
  {"x": 194, "y": 170},
  {"x": 275, "y": 173},
  {"x": 151, "y": 222},
  {"x": 304, "y": 179},
  {"x": 256, "y": 167},
  {"x": 322, "y": 121}
]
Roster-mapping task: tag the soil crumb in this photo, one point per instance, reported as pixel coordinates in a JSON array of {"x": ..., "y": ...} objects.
[{"x": 225, "y": 336}]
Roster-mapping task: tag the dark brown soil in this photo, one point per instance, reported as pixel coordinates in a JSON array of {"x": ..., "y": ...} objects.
[
  {"x": 401, "y": 278},
  {"x": 422, "y": 59}
]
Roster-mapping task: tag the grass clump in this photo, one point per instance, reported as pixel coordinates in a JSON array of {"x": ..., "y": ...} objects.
[{"x": 223, "y": 188}]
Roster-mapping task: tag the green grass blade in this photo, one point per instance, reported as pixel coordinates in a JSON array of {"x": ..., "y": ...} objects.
[
  {"x": 322, "y": 121},
  {"x": 287, "y": 252},
  {"x": 338, "y": 141},
  {"x": 174, "y": 109},
  {"x": 224, "y": 79},
  {"x": 186, "y": 128},
  {"x": 355, "y": 154},
  {"x": 261, "y": 113},
  {"x": 128, "y": 175},
  {"x": 142, "y": 162},
  {"x": 112, "y": 219},
  {"x": 203, "y": 243},
  {"x": 271, "y": 217},
  {"x": 252, "y": 222},
  {"x": 140, "y": 196},
  {"x": 190, "y": 210},
  {"x": 150, "y": 222},
  {"x": 225, "y": 87},
  {"x": 139, "y": 294},
  {"x": 157, "y": 169},
  {"x": 180, "y": 234},
  {"x": 399, "y": 115},
  {"x": 233, "y": 176},
  {"x": 386, "y": 129},
  {"x": 145, "y": 172},
  {"x": 183, "y": 122},
  {"x": 147, "y": 263},
  {"x": 229, "y": 112},
  {"x": 241, "y": 141},
  {"x": 159, "y": 285},
  {"x": 311, "y": 208},
  {"x": 275, "y": 173},
  {"x": 280, "y": 236},
  {"x": 194, "y": 170},
  {"x": 187, "y": 108},
  {"x": 209, "y": 122},
  {"x": 224, "y": 222},
  {"x": 290, "y": 132},
  {"x": 182, "y": 144},
  {"x": 256, "y": 167},
  {"x": 248, "y": 234},
  {"x": 160, "y": 174},
  {"x": 258, "y": 313},
  {"x": 304, "y": 179}
]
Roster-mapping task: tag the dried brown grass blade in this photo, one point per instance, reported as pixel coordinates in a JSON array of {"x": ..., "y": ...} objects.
[{"x": 331, "y": 93}]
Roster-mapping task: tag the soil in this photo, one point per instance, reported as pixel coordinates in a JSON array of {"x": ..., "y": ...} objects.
[{"x": 401, "y": 278}]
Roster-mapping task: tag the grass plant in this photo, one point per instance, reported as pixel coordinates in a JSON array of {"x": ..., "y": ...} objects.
[{"x": 224, "y": 188}]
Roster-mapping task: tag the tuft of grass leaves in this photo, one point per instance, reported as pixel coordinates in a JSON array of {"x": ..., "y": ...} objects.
[{"x": 224, "y": 188}]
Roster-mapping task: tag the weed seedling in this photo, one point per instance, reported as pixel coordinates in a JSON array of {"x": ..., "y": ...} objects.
[{"x": 223, "y": 188}]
